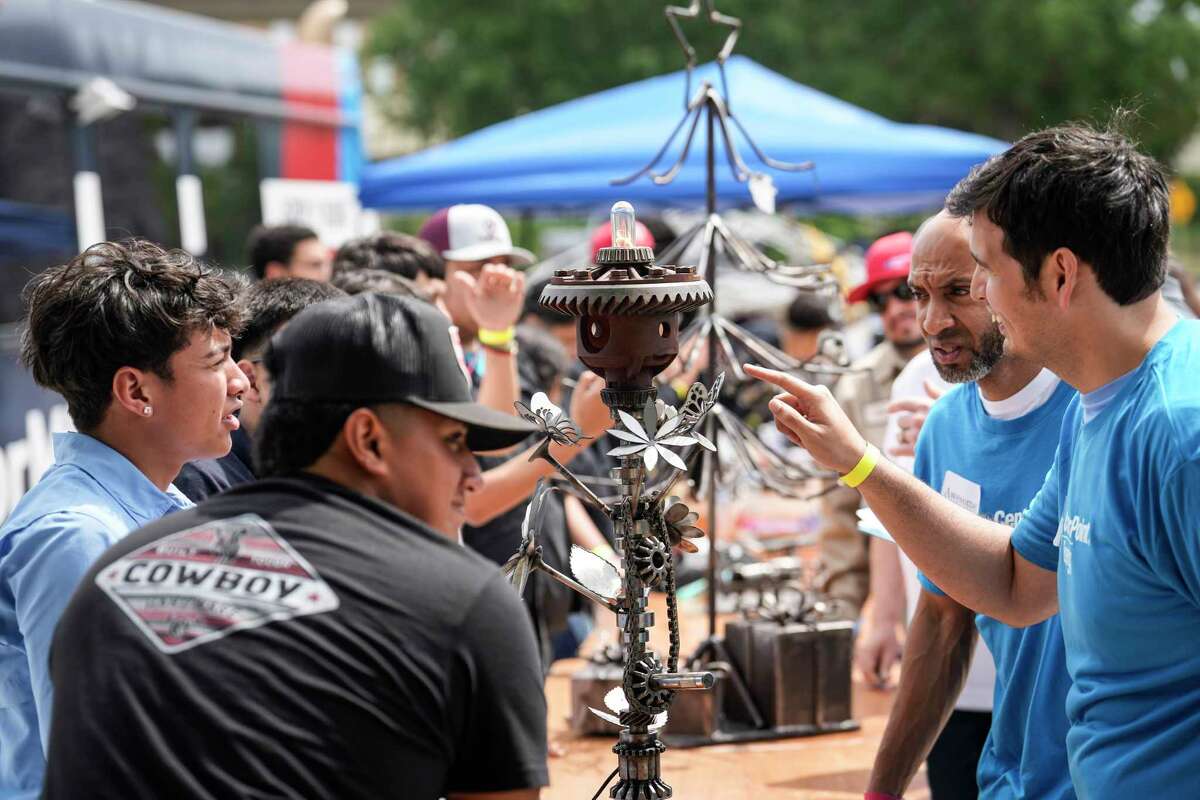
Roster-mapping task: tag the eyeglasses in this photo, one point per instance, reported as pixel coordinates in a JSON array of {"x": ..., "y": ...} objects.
[{"x": 879, "y": 300}]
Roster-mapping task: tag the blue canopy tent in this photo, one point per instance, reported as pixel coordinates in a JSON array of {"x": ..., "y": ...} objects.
[{"x": 565, "y": 156}]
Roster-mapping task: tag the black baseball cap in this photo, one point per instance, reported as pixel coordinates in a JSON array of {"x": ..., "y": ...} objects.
[{"x": 381, "y": 348}]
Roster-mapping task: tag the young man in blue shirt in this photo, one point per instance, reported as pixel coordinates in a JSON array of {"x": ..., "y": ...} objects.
[
  {"x": 986, "y": 446},
  {"x": 1069, "y": 232},
  {"x": 136, "y": 340}
]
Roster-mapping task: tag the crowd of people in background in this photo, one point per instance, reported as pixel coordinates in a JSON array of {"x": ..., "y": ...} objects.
[{"x": 266, "y": 562}]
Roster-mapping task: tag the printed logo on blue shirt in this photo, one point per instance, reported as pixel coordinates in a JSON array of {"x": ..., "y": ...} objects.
[{"x": 1071, "y": 529}]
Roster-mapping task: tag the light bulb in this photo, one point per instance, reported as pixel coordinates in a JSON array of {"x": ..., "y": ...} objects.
[{"x": 623, "y": 224}]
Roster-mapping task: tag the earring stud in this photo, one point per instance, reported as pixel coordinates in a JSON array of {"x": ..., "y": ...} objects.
[{"x": 146, "y": 411}]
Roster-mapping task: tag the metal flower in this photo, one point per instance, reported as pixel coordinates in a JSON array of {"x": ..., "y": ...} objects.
[
  {"x": 525, "y": 560},
  {"x": 680, "y": 523},
  {"x": 550, "y": 420},
  {"x": 648, "y": 439}
]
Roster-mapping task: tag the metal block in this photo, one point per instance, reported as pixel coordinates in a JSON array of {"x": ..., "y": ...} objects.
[
  {"x": 835, "y": 651},
  {"x": 800, "y": 673}
]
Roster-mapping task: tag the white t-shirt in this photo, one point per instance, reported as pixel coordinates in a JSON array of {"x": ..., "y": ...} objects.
[{"x": 977, "y": 690}]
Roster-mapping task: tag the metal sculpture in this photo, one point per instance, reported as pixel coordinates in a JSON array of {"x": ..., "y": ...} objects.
[
  {"x": 628, "y": 326},
  {"x": 727, "y": 343}
]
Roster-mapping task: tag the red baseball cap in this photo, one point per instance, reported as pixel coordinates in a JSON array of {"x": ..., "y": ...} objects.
[
  {"x": 888, "y": 258},
  {"x": 602, "y": 237}
]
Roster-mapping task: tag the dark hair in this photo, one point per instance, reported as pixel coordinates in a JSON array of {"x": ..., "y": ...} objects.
[
  {"x": 357, "y": 281},
  {"x": 269, "y": 304},
  {"x": 548, "y": 316},
  {"x": 810, "y": 311},
  {"x": 119, "y": 304},
  {"x": 293, "y": 434},
  {"x": 541, "y": 360},
  {"x": 1084, "y": 189},
  {"x": 400, "y": 253},
  {"x": 275, "y": 243}
]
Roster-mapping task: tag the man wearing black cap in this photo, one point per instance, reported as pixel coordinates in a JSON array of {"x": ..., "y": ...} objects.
[{"x": 320, "y": 633}]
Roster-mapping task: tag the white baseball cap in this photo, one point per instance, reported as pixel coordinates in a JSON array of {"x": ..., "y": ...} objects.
[{"x": 472, "y": 232}]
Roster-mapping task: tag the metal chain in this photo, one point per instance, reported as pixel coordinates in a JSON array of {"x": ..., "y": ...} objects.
[{"x": 672, "y": 609}]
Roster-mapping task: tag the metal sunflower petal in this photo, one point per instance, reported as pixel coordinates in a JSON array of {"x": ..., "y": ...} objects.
[
  {"x": 670, "y": 457},
  {"x": 632, "y": 425},
  {"x": 626, "y": 436}
]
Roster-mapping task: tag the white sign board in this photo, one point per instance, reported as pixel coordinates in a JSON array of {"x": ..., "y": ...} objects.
[{"x": 328, "y": 207}]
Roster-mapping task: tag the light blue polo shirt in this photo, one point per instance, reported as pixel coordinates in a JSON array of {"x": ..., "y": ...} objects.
[
  {"x": 87, "y": 500},
  {"x": 1119, "y": 519},
  {"x": 995, "y": 467}
]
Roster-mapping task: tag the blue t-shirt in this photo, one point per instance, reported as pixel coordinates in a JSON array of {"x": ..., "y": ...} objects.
[
  {"x": 1119, "y": 519},
  {"x": 994, "y": 468}
]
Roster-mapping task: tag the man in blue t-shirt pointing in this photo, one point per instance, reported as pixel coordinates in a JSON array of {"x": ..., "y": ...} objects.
[
  {"x": 1069, "y": 233},
  {"x": 986, "y": 446}
]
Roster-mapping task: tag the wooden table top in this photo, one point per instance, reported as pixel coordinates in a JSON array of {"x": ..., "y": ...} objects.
[{"x": 828, "y": 767}]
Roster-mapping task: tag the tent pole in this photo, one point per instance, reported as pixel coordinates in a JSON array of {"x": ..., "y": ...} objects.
[{"x": 710, "y": 461}]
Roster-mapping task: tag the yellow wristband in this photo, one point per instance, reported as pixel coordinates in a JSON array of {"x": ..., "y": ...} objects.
[
  {"x": 497, "y": 338},
  {"x": 863, "y": 469}
]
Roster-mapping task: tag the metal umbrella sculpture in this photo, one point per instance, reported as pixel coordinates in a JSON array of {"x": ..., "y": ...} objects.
[{"x": 628, "y": 315}]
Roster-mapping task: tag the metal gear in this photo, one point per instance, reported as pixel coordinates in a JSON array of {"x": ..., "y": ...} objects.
[
  {"x": 650, "y": 559},
  {"x": 639, "y": 686}
]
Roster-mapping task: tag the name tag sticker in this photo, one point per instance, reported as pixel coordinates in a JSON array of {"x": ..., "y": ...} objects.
[{"x": 962, "y": 492}]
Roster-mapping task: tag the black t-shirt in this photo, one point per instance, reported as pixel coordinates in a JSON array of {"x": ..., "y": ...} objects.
[{"x": 292, "y": 638}]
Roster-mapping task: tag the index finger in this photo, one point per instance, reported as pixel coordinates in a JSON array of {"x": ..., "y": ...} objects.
[{"x": 789, "y": 383}]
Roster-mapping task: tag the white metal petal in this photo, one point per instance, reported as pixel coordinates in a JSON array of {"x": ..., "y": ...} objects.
[
  {"x": 659, "y": 721},
  {"x": 650, "y": 456},
  {"x": 677, "y": 441},
  {"x": 672, "y": 459},
  {"x": 595, "y": 572},
  {"x": 632, "y": 424},
  {"x": 667, "y": 427},
  {"x": 604, "y": 715},
  {"x": 626, "y": 436},
  {"x": 540, "y": 402},
  {"x": 703, "y": 441},
  {"x": 650, "y": 417},
  {"x": 628, "y": 450},
  {"x": 615, "y": 700}
]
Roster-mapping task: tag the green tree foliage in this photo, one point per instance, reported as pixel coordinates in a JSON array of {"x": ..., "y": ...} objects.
[{"x": 1000, "y": 67}]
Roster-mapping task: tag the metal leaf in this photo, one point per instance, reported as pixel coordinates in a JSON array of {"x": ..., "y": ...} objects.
[
  {"x": 703, "y": 440},
  {"x": 595, "y": 572}
]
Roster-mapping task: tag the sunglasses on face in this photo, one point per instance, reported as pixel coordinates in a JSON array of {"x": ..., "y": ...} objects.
[{"x": 879, "y": 300}]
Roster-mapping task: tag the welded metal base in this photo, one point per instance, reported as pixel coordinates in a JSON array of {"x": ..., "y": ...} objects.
[{"x": 638, "y": 768}]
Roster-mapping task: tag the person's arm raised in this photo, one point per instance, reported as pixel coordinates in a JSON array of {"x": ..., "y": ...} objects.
[{"x": 970, "y": 558}]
